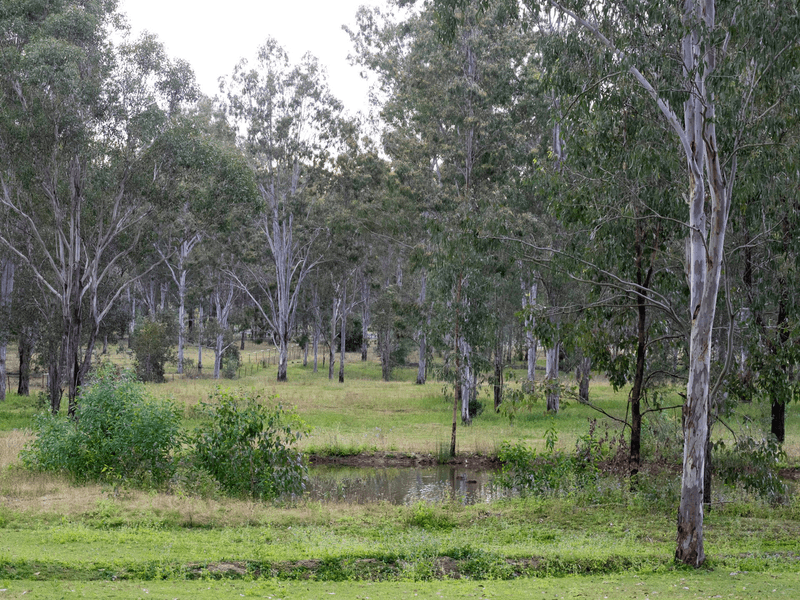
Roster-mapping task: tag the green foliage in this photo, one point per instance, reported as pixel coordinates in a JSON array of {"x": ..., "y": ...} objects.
[
  {"x": 430, "y": 517},
  {"x": 752, "y": 462},
  {"x": 152, "y": 346},
  {"x": 119, "y": 433},
  {"x": 230, "y": 361},
  {"x": 248, "y": 447},
  {"x": 530, "y": 473}
]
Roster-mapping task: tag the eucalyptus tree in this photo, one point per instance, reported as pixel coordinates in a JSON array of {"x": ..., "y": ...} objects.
[
  {"x": 288, "y": 122},
  {"x": 77, "y": 115}
]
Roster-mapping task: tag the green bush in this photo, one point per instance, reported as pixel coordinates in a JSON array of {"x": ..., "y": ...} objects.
[
  {"x": 247, "y": 447},
  {"x": 752, "y": 462},
  {"x": 152, "y": 345},
  {"x": 119, "y": 433}
]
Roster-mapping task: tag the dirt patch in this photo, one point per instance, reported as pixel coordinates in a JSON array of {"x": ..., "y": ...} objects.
[
  {"x": 446, "y": 568},
  {"x": 402, "y": 459},
  {"x": 223, "y": 569},
  {"x": 791, "y": 473}
]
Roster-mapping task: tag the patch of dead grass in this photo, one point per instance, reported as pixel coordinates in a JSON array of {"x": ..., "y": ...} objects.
[{"x": 11, "y": 442}]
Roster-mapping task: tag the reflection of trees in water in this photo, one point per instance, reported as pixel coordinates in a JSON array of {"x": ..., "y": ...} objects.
[{"x": 402, "y": 485}]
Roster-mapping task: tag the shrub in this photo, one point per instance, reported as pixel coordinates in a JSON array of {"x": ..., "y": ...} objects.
[
  {"x": 247, "y": 447},
  {"x": 230, "y": 362},
  {"x": 152, "y": 345},
  {"x": 119, "y": 432},
  {"x": 753, "y": 462}
]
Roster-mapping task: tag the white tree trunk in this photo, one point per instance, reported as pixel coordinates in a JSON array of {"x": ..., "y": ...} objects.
[
  {"x": 223, "y": 300},
  {"x": 551, "y": 378},
  {"x": 529, "y": 294},
  {"x": 6, "y": 291},
  {"x": 422, "y": 369}
]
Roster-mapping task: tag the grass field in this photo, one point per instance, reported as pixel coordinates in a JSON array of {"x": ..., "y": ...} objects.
[{"x": 59, "y": 540}]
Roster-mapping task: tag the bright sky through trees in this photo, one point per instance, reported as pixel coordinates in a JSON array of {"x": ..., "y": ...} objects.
[{"x": 213, "y": 36}]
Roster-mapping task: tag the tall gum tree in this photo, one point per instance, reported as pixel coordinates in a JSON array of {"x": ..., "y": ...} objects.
[{"x": 288, "y": 121}]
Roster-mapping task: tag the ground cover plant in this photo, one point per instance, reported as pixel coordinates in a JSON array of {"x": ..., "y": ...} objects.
[{"x": 594, "y": 535}]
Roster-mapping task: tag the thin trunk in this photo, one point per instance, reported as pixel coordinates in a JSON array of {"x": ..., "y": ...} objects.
[
  {"x": 456, "y": 353},
  {"x": 551, "y": 377},
  {"x": 583, "y": 376},
  {"x": 528, "y": 302},
  {"x": 365, "y": 318},
  {"x": 342, "y": 335},
  {"x": 25, "y": 351},
  {"x": 332, "y": 346},
  {"x": 466, "y": 381},
  {"x": 498, "y": 374},
  {"x": 200, "y": 339},
  {"x": 6, "y": 292},
  {"x": 422, "y": 368},
  {"x": 317, "y": 324}
]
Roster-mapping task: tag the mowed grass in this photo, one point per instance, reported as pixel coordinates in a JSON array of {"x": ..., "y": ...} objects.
[{"x": 101, "y": 541}]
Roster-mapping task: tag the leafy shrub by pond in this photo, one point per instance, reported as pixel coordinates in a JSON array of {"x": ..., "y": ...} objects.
[
  {"x": 118, "y": 433},
  {"x": 248, "y": 447}
]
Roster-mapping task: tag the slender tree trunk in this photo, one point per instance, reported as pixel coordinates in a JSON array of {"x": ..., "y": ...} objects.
[
  {"x": 551, "y": 377},
  {"x": 365, "y": 317},
  {"x": 498, "y": 374},
  {"x": 528, "y": 302},
  {"x": 422, "y": 368},
  {"x": 583, "y": 373},
  {"x": 6, "y": 293},
  {"x": 342, "y": 335},
  {"x": 25, "y": 350},
  {"x": 332, "y": 345},
  {"x": 200, "y": 339},
  {"x": 466, "y": 381},
  {"x": 456, "y": 353}
]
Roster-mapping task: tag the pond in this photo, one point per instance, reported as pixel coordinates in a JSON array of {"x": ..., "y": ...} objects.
[{"x": 403, "y": 485}]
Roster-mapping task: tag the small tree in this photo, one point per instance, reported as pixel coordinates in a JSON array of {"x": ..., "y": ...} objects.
[{"x": 152, "y": 345}]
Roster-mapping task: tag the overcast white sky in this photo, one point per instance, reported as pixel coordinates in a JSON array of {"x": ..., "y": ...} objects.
[{"x": 214, "y": 36}]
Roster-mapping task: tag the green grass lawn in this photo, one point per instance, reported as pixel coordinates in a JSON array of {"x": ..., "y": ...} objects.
[{"x": 59, "y": 540}]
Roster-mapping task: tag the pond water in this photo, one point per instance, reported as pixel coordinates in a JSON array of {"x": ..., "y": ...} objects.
[{"x": 402, "y": 485}]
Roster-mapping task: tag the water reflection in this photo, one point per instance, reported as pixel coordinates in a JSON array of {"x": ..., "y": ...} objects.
[{"x": 402, "y": 485}]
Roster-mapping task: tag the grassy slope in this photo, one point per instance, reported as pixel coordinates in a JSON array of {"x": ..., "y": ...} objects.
[{"x": 80, "y": 538}]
